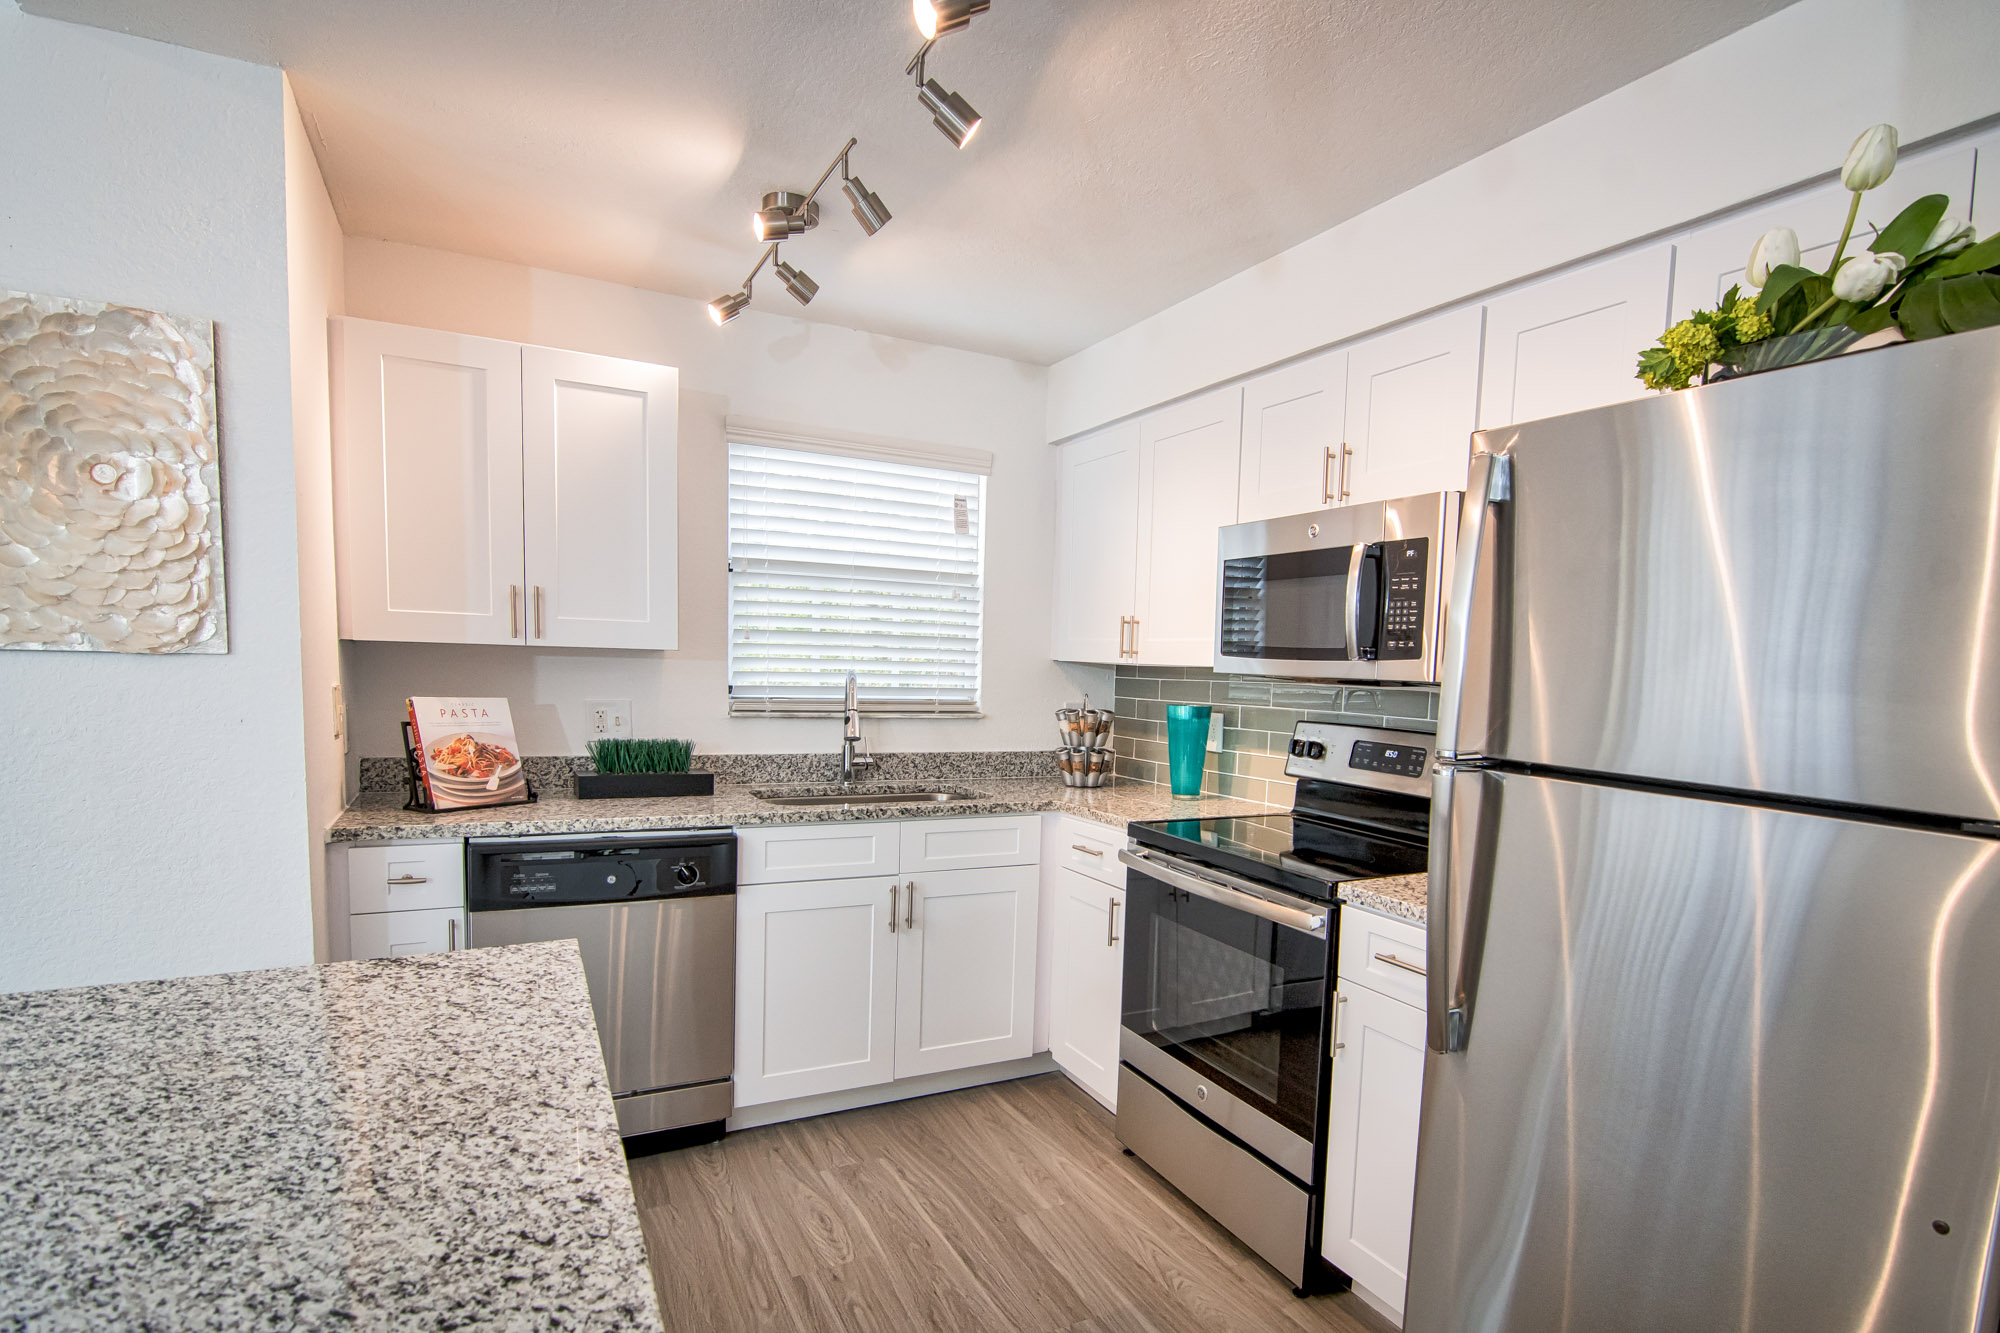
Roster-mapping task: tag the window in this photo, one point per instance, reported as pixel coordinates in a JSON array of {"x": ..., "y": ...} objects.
[{"x": 851, "y": 562}]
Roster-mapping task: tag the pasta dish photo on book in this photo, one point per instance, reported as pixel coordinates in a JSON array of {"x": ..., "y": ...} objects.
[{"x": 467, "y": 752}]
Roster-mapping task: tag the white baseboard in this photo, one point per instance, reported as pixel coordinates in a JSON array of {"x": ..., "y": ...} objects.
[{"x": 799, "y": 1108}]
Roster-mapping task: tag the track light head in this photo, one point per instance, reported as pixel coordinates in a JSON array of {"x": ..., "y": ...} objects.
[
  {"x": 935, "y": 18},
  {"x": 869, "y": 210},
  {"x": 952, "y": 114},
  {"x": 784, "y": 215},
  {"x": 725, "y": 308},
  {"x": 802, "y": 288}
]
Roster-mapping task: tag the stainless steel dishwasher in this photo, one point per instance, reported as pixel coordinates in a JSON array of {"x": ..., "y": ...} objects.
[{"x": 655, "y": 916}]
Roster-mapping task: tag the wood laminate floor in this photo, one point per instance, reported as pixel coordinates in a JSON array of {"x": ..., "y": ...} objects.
[{"x": 1005, "y": 1207}]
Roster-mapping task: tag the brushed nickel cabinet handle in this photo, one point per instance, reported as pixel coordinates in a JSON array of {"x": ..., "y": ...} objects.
[
  {"x": 910, "y": 905},
  {"x": 893, "y": 888},
  {"x": 1135, "y": 636},
  {"x": 1394, "y": 961},
  {"x": 1087, "y": 851},
  {"x": 1111, "y": 924},
  {"x": 513, "y": 610},
  {"x": 1338, "y": 1000},
  {"x": 538, "y": 612},
  {"x": 451, "y": 935},
  {"x": 1345, "y": 454},
  {"x": 408, "y": 879},
  {"x": 1326, "y": 477}
]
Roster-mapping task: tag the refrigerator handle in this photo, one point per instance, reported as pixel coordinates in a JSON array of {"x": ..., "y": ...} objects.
[
  {"x": 1463, "y": 805},
  {"x": 1490, "y": 484}
]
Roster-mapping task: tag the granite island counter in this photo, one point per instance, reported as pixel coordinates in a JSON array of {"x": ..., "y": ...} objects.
[{"x": 421, "y": 1142}]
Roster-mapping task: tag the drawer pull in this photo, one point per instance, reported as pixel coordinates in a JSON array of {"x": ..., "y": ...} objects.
[
  {"x": 1394, "y": 961},
  {"x": 410, "y": 879},
  {"x": 1087, "y": 851}
]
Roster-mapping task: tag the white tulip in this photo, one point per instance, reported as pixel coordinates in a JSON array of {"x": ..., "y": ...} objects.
[
  {"x": 1775, "y": 248},
  {"x": 1871, "y": 159},
  {"x": 1865, "y": 276},
  {"x": 1950, "y": 235}
]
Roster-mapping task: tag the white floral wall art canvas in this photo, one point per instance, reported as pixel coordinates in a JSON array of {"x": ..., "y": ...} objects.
[{"x": 110, "y": 481}]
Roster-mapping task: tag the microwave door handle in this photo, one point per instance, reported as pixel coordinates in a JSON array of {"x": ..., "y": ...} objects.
[
  {"x": 1356, "y": 556},
  {"x": 1490, "y": 485}
]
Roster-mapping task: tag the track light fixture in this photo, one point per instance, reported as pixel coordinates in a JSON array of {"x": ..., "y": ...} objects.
[
  {"x": 802, "y": 288},
  {"x": 784, "y": 215},
  {"x": 869, "y": 210},
  {"x": 952, "y": 114},
  {"x": 725, "y": 308},
  {"x": 935, "y": 18}
]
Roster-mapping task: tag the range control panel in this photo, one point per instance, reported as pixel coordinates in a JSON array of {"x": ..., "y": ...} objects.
[
  {"x": 1405, "y": 570},
  {"x": 1360, "y": 756}
]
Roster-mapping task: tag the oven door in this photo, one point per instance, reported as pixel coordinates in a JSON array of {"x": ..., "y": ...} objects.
[{"x": 1224, "y": 1001}]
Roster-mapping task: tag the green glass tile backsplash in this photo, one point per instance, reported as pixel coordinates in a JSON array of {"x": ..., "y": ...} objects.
[{"x": 1258, "y": 714}]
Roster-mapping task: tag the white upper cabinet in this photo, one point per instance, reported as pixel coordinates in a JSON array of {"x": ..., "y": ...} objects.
[
  {"x": 1572, "y": 342},
  {"x": 1097, "y": 544},
  {"x": 1412, "y": 403},
  {"x": 1292, "y": 420},
  {"x": 1710, "y": 259},
  {"x": 487, "y": 492},
  {"x": 1187, "y": 495},
  {"x": 427, "y": 464},
  {"x": 598, "y": 461}
]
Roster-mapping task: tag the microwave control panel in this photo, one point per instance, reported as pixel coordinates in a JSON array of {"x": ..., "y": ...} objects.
[{"x": 1405, "y": 570}]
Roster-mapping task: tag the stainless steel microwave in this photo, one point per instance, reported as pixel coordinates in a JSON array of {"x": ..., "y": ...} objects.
[{"x": 1355, "y": 593}]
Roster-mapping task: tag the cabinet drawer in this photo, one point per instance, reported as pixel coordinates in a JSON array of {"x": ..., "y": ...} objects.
[
  {"x": 1369, "y": 940},
  {"x": 816, "y": 851},
  {"x": 395, "y": 934},
  {"x": 406, "y": 878},
  {"x": 1091, "y": 849},
  {"x": 971, "y": 844}
]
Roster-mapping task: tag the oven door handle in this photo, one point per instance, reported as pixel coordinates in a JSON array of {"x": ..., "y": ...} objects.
[{"x": 1300, "y": 914}]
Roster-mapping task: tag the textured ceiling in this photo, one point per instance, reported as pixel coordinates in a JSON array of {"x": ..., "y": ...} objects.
[{"x": 1134, "y": 152}]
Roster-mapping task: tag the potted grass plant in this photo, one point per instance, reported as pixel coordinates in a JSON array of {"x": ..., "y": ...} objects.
[{"x": 642, "y": 768}]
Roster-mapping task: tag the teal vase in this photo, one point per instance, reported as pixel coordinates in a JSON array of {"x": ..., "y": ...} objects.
[{"x": 1187, "y": 746}]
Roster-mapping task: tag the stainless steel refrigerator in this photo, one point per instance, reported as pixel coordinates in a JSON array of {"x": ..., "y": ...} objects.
[{"x": 1715, "y": 870}]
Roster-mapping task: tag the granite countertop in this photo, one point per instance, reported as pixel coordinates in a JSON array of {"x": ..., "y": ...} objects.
[
  {"x": 380, "y": 817},
  {"x": 1406, "y": 896},
  {"x": 413, "y": 1142}
]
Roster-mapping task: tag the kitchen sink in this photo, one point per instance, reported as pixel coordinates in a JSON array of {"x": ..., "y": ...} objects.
[{"x": 820, "y": 796}]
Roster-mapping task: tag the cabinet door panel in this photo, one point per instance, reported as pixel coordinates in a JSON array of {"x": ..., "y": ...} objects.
[
  {"x": 599, "y": 457},
  {"x": 1371, "y": 1161},
  {"x": 1087, "y": 973},
  {"x": 965, "y": 989},
  {"x": 815, "y": 988},
  {"x": 1570, "y": 343},
  {"x": 1097, "y": 543},
  {"x": 1412, "y": 401},
  {"x": 1292, "y": 419},
  {"x": 398, "y": 934},
  {"x": 968, "y": 844},
  {"x": 1709, "y": 261},
  {"x": 427, "y": 469},
  {"x": 1187, "y": 494}
]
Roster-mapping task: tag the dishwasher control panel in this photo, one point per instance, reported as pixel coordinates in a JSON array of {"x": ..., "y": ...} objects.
[{"x": 503, "y": 874}]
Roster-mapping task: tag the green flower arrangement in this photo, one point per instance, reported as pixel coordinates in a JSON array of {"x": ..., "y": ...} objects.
[{"x": 1924, "y": 277}]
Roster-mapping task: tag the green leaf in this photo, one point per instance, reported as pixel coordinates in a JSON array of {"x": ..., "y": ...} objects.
[
  {"x": 1969, "y": 302},
  {"x": 1977, "y": 259},
  {"x": 1918, "y": 312},
  {"x": 1783, "y": 279},
  {"x": 1872, "y": 320},
  {"x": 1912, "y": 227}
]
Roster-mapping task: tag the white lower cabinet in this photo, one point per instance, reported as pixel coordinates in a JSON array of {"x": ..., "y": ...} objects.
[
  {"x": 965, "y": 969},
  {"x": 1087, "y": 974},
  {"x": 1371, "y": 1143},
  {"x": 815, "y": 987},
  {"x": 395, "y": 934}
]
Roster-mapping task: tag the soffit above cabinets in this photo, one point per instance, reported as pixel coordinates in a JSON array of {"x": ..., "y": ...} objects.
[{"x": 1134, "y": 151}]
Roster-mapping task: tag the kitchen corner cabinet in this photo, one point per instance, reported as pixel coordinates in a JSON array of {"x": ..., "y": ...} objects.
[
  {"x": 1571, "y": 342},
  {"x": 1293, "y": 428},
  {"x": 1412, "y": 404},
  {"x": 489, "y": 492}
]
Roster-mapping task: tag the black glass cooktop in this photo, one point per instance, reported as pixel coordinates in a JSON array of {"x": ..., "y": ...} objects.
[{"x": 1308, "y": 853}]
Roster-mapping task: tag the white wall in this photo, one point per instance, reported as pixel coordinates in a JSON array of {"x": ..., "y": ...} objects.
[
  {"x": 315, "y": 261},
  {"x": 154, "y": 808},
  {"x": 1768, "y": 107},
  {"x": 764, "y": 366}
]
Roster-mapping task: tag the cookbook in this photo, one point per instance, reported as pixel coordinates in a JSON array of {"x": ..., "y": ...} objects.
[{"x": 466, "y": 752}]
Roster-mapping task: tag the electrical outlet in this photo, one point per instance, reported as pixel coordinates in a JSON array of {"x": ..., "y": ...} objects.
[
  {"x": 607, "y": 717},
  {"x": 1215, "y": 733}
]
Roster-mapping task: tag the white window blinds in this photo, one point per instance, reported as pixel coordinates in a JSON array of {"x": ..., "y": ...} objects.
[{"x": 843, "y": 564}]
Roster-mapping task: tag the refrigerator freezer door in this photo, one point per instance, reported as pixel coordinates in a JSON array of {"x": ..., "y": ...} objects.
[
  {"x": 1728, "y": 1068},
  {"x": 1787, "y": 583}
]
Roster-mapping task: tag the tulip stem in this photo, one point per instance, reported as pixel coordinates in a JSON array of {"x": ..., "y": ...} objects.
[
  {"x": 1853, "y": 211},
  {"x": 1818, "y": 310}
]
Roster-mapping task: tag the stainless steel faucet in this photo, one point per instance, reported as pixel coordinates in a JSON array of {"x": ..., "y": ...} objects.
[{"x": 850, "y": 739}]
